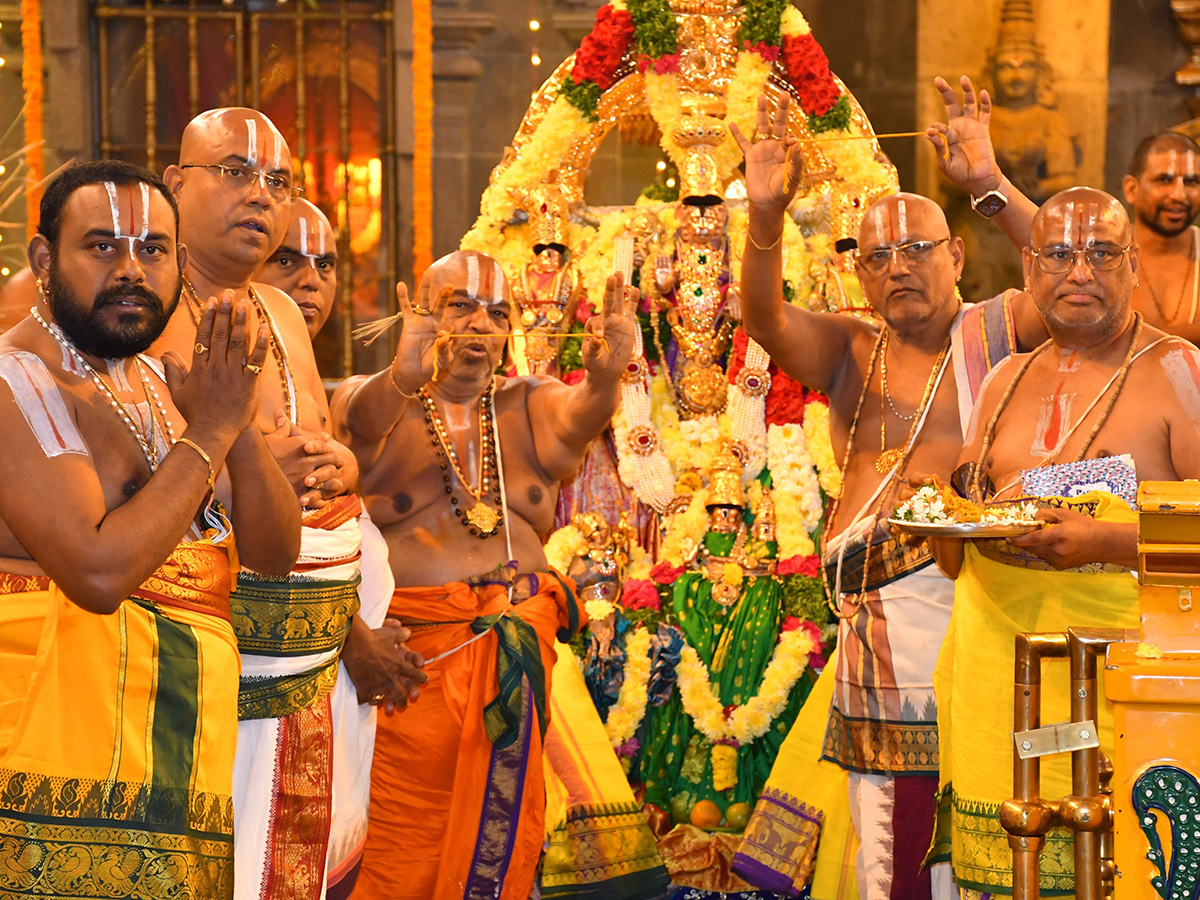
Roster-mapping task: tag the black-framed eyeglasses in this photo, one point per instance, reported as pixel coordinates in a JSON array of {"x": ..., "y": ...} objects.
[
  {"x": 280, "y": 187},
  {"x": 1100, "y": 257},
  {"x": 915, "y": 253}
]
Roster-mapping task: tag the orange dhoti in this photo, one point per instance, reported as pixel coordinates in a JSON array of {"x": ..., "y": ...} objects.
[{"x": 457, "y": 785}]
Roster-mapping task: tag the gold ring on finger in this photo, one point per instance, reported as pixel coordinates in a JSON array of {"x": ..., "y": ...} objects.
[
  {"x": 378, "y": 698},
  {"x": 200, "y": 349},
  {"x": 759, "y": 136},
  {"x": 251, "y": 367}
]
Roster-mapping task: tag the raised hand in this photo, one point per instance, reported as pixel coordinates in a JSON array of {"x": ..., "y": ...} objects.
[
  {"x": 774, "y": 165},
  {"x": 963, "y": 142},
  {"x": 611, "y": 333},
  {"x": 218, "y": 393},
  {"x": 413, "y": 366}
]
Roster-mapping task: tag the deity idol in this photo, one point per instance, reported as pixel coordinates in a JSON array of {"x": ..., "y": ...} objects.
[{"x": 548, "y": 289}]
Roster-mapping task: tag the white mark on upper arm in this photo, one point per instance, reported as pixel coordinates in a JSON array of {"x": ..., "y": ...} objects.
[
  {"x": 39, "y": 400},
  {"x": 1183, "y": 371}
]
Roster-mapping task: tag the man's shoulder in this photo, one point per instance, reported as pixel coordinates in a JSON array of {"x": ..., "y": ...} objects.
[{"x": 283, "y": 309}]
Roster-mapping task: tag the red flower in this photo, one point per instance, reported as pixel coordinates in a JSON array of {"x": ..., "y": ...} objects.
[
  {"x": 769, "y": 52},
  {"x": 574, "y": 376},
  {"x": 808, "y": 566},
  {"x": 668, "y": 62},
  {"x": 640, "y": 594},
  {"x": 808, "y": 71},
  {"x": 665, "y": 573},
  {"x": 601, "y": 51},
  {"x": 791, "y": 623}
]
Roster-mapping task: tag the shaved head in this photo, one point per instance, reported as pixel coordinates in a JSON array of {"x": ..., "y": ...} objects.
[
  {"x": 470, "y": 272},
  {"x": 1084, "y": 305},
  {"x": 246, "y": 133},
  {"x": 912, "y": 286},
  {"x": 1068, "y": 212}
]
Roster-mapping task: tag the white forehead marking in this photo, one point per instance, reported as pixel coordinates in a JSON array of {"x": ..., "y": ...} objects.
[
  {"x": 1173, "y": 163},
  {"x": 902, "y": 215},
  {"x": 1069, "y": 223},
  {"x": 277, "y": 138},
  {"x": 321, "y": 238},
  {"x": 251, "y": 142},
  {"x": 1191, "y": 163},
  {"x": 879, "y": 225},
  {"x": 303, "y": 236},
  {"x": 473, "y": 277},
  {"x": 115, "y": 207},
  {"x": 497, "y": 282}
]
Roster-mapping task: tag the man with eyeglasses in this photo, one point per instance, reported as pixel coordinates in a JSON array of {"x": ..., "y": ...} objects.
[
  {"x": 1108, "y": 401},
  {"x": 900, "y": 394},
  {"x": 234, "y": 185}
]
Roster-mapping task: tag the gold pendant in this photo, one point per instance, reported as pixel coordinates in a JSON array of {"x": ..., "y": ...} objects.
[
  {"x": 483, "y": 517},
  {"x": 888, "y": 460}
]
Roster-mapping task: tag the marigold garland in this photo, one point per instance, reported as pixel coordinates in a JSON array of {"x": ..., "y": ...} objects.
[
  {"x": 422, "y": 97},
  {"x": 33, "y": 86},
  {"x": 751, "y": 720},
  {"x": 627, "y": 713}
]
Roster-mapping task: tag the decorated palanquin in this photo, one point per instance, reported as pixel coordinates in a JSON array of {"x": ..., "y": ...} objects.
[{"x": 721, "y": 465}]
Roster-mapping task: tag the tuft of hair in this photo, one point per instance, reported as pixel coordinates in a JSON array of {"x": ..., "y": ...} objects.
[
  {"x": 1163, "y": 140},
  {"x": 80, "y": 175}
]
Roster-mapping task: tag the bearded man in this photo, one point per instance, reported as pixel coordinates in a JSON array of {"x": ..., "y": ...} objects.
[
  {"x": 900, "y": 397},
  {"x": 460, "y": 471},
  {"x": 118, "y": 681},
  {"x": 1108, "y": 401},
  {"x": 234, "y": 187},
  {"x": 305, "y": 268}
]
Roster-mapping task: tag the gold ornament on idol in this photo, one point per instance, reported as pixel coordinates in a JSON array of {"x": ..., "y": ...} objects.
[
  {"x": 481, "y": 520},
  {"x": 889, "y": 459}
]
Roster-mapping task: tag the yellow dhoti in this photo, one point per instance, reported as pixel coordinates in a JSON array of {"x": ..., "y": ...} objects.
[
  {"x": 117, "y": 736},
  {"x": 999, "y": 594}
]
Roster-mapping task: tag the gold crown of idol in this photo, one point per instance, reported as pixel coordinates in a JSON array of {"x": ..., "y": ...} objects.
[
  {"x": 548, "y": 209},
  {"x": 725, "y": 481},
  {"x": 699, "y": 176},
  {"x": 702, "y": 7}
]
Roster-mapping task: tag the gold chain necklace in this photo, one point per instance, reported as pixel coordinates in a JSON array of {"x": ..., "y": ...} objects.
[
  {"x": 1182, "y": 290},
  {"x": 977, "y": 470},
  {"x": 275, "y": 343},
  {"x": 481, "y": 520},
  {"x": 888, "y": 459}
]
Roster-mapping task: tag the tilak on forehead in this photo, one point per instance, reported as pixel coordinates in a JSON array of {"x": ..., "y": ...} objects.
[
  {"x": 255, "y": 153},
  {"x": 1173, "y": 167},
  {"x": 891, "y": 229},
  {"x": 317, "y": 251},
  {"x": 136, "y": 225},
  {"x": 484, "y": 287}
]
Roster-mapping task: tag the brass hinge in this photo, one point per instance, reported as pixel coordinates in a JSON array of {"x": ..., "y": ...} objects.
[{"x": 1050, "y": 739}]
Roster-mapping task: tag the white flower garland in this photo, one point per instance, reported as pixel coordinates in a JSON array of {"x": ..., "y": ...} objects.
[
  {"x": 627, "y": 713},
  {"x": 752, "y": 719},
  {"x": 798, "y": 507}
]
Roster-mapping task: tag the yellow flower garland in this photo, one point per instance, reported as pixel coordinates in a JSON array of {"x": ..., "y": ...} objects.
[
  {"x": 563, "y": 546},
  {"x": 820, "y": 446},
  {"x": 752, "y": 719},
  {"x": 627, "y": 713}
]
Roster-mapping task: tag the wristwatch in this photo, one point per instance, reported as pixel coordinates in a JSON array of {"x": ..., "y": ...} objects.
[{"x": 990, "y": 203}]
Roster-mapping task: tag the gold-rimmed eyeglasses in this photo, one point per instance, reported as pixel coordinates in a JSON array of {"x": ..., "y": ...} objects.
[
  {"x": 877, "y": 259},
  {"x": 280, "y": 187}
]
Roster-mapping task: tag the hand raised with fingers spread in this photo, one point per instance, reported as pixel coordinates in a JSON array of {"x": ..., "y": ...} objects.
[
  {"x": 218, "y": 393},
  {"x": 612, "y": 332},
  {"x": 413, "y": 366},
  {"x": 774, "y": 165},
  {"x": 963, "y": 142}
]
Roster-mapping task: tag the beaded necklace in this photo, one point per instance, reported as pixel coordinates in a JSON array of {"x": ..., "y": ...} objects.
[
  {"x": 1193, "y": 272},
  {"x": 1115, "y": 385},
  {"x": 892, "y": 475},
  {"x": 481, "y": 520},
  {"x": 148, "y": 443},
  {"x": 274, "y": 341}
]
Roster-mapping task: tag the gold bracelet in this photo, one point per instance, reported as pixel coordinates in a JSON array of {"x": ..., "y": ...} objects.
[
  {"x": 212, "y": 475},
  {"x": 757, "y": 245},
  {"x": 396, "y": 385}
]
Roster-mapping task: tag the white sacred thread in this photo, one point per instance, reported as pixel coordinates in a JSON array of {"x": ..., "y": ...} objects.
[
  {"x": 115, "y": 206},
  {"x": 39, "y": 400},
  {"x": 251, "y": 142}
]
